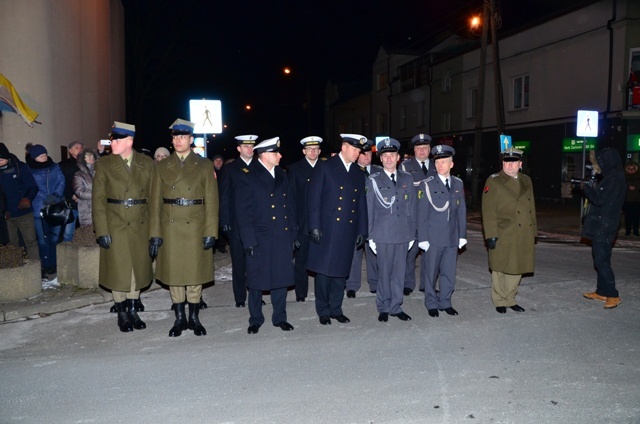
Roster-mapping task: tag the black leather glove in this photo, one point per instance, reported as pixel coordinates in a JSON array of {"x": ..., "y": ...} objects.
[
  {"x": 296, "y": 245},
  {"x": 491, "y": 242},
  {"x": 226, "y": 229},
  {"x": 154, "y": 245},
  {"x": 249, "y": 251},
  {"x": 315, "y": 235},
  {"x": 104, "y": 241},
  {"x": 208, "y": 242},
  {"x": 360, "y": 242}
]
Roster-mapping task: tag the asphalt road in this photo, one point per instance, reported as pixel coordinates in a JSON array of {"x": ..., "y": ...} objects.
[{"x": 564, "y": 360}]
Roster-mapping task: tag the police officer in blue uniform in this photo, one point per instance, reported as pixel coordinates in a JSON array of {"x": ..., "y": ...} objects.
[
  {"x": 420, "y": 167},
  {"x": 265, "y": 212},
  {"x": 299, "y": 173},
  {"x": 355, "y": 275},
  {"x": 337, "y": 219},
  {"x": 229, "y": 177},
  {"x": 391, "y": 208},
  {"x": 442, "y": 229}
]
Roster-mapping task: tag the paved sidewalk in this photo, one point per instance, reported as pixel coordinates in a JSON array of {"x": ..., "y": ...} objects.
[{"x": 557, "y": 222}]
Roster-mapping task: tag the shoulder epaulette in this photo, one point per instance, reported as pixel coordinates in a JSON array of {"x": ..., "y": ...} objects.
[
  {"x": 456, "y": 178},
  {"x": 372, "y": 176},
  {"x": 494, "y": 175}
]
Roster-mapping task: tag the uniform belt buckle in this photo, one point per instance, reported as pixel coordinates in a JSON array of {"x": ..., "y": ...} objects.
[
  {"x": 128, "y": 202},
  {"x": 182, "y": 201}
]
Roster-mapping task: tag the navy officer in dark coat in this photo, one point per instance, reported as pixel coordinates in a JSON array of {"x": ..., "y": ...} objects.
[
  {"x": 442, "y": 229},
  {"x": 391, "y": 208},
  {"x": 265, "y": 213},
  {"x": 420, "y": 167},
  {"x": 299, "y": 173},
  {"x": 229, "y": 177},
  {"x": 337, "y": 219}
]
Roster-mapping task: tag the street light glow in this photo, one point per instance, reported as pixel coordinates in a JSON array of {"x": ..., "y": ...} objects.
[
  {"x": 248, "y": 107},
  {"x": 475, "y": 22},
  {"x": 287, "y": 71}
]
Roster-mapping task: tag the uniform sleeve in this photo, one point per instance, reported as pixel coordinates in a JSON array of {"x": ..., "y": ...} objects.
[
  {"x": 489, "y": 210},
  {"x": 211, "y": 202},
  {"x": 155, "y": 202},
  {"x": 99, "y": 202}
]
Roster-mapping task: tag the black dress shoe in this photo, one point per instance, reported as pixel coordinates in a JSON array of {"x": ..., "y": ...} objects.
[
  {"x": 383, "y": 317},
  {"x": 284, "y": 326},
  {"x": 239, "y": 304},
  {"x": 300, "y": 299},
  {"x": 407, "y": 291},
  {"x": 450, "y": 311},
  {"x": 341, "y": 319},
  {"x": 253, "y": 329},
  {"x": 517, "y": 308},
  {"x": 402, "y": 316},
  {"x": 325, "y": 320},
  {"x": 433, "y": 313},
  {"x": 351, "y": 294},
  {"x": 501, "y": 309}
]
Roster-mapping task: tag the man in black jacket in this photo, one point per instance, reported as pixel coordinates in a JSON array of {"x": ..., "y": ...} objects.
[{"x": 602, "y": 221}]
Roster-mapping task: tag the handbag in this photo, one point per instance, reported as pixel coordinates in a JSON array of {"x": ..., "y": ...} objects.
[{"x": 58, "y": 213}]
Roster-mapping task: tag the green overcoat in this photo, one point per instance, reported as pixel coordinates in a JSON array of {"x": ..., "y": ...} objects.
[
  {"x": 509, "y": 213},
  {"x": 128, "y": 226},
  {"x": 182, "y": 260}
]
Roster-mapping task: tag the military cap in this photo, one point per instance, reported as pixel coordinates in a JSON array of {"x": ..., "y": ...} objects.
[
  {"x": 387, "y": 145},
  {"x": 511, "y": 155},
  {"x": 312, "y": 140},
  {"x": 246, "y": 139},
  {"x": 369, "y": 146},
  {"x": 356, "y": 140},
  {"x": 442, "y": 151},
  {"x": 421, "y": 139},
  {"x": 122, "y": 130},
  {"x": 268, "y": 145},
  {"x": 182, "y": 127}
]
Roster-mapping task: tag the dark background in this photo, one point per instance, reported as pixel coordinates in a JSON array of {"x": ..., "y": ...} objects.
[{"x": 235, "y": 52}]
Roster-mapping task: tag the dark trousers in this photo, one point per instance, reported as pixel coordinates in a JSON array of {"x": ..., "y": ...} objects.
[
  {"x": 602, "y": 261},
  {"x": 238, "y": 270},
  {"x": 278, "y": 301},
  {"x": 300, "y": 267},
  {"x": 329, "y": 294},
  {"x": 631, "y": 217}
]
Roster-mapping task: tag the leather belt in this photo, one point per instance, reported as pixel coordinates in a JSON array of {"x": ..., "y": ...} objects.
[
  {"x": 183, "y": 202},
  {"x": 127, "y": 202}
]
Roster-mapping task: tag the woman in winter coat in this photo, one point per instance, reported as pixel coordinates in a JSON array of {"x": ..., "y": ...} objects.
[
  {"x": 82, "y": 182},
  {"x": 50, "y": 181}
]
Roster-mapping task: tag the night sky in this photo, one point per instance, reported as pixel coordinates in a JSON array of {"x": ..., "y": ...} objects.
[{"x": 235, "y": 51}]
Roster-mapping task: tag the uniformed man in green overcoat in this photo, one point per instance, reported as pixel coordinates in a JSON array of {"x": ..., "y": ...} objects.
[
  {"x": 120, "y": 202},
  {"x": 510, "y": 229},
  {"x": 184, "y": 226}
]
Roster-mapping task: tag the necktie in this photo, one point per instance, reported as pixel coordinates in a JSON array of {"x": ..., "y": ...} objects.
[
  {"x": 126, "y": 163},
  {"x": 393, "y": 179},
  {"x": 424, "y": 169},
  {"x": 446, "y": 183}
]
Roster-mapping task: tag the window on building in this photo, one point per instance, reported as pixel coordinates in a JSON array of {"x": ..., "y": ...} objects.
[
  {"x": 421, "y": 112},
  {"x": 382, "y": 81},
  {"x": 403, "y": 117},
  {"x": 446, "y": 122},
  {"x": 407, "y": 76},
  {"x": 422, "y": 77},
  {"x": 472, "y": 100},
  {"x": 446, "y": 82},
  {"x": 521, "y": 92}
]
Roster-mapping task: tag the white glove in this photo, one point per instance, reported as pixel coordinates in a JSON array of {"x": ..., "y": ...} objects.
[
  {"x": 424, "y": 245},
  {"x": 411, "y": 244},
  {"x": 461, "y": 243},
  {"x": 372, "y": 246}
]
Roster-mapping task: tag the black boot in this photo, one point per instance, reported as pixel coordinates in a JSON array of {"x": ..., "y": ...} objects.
[
  {"x": 202, "y": 304},
  {"x": 139, "y": 305},
  {"x": 132, "y": 312},
  {"x": 194, "y": 321},
  {"x": 114, "y": 308},
  {"x": 123, "y": 318},
  {"x": 181, "y": 320}
]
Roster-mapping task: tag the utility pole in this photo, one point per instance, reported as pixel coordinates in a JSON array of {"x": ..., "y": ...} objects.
[{"x": 497, "y": 75}]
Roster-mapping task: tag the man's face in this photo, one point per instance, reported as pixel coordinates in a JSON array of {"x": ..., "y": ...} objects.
[
  {"x": 75, "y": 150},
  {"x": 246, "y": 151},
  {"x": 270, "y": 159},
  {"x": 218, "y": 163},
  {"x": 511, "y": 168},
  {"x": 311, "y": 152},
  {"x": 3, "y": 162},
  {"x": 182, "y": 143},
  {"x": 421, "y": 152},
  {"x": 365, "y": 158},
  {"x": 389, "y": 161},
  {"x": 444, "y": 165},
  {"x": 350, "y": 153},
  {"x": 120, "y": 146}
]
